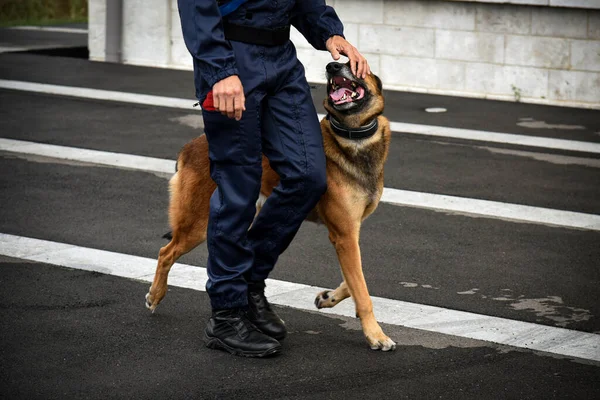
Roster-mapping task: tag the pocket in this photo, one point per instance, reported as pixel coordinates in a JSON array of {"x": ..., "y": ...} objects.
[
  {"x": 236, "y": 142},
  {"x": 223, "y": 135}
]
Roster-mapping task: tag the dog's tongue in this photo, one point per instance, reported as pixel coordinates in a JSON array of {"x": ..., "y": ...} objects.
[{"x": 338, "y": 94}]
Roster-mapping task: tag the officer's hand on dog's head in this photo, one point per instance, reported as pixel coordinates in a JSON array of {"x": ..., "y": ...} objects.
[
  {"x": 228, "y": 97},
  {"x": 337, "y": 45}
]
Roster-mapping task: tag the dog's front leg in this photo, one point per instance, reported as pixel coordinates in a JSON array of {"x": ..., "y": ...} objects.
[
  {"x": 331, "y": 298},
  {"x": 348, "y": 252}
]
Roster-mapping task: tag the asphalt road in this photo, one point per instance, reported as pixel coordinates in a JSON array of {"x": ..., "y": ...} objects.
[
  {"x": 77, "y": 334},
  {"x": 71, "y": 334}
]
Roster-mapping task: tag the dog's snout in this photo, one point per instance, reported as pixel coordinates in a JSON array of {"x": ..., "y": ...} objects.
[{"x": 334, "y": 67}]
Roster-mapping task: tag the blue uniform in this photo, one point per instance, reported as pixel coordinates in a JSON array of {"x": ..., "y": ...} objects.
[{"x": 280, "y": 121}]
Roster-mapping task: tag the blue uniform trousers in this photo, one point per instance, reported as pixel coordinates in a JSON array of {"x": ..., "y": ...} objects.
[{"x": 280, "y": 121}]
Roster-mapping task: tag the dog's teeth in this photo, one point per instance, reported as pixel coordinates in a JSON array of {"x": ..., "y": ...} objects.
[{"x": 345, "y": 79}]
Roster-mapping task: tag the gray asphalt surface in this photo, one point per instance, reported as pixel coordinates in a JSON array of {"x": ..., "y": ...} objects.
[
  {"x": 466, "y": 113},
  {"x": 34, "y": 40},
  {"x": 124, "y": 211},
  {"x": 76, "y": 334},
  {"x": 415, "y": 163}
]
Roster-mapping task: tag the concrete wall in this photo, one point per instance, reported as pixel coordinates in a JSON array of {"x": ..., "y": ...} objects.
[{"x": 544, "y": 54}]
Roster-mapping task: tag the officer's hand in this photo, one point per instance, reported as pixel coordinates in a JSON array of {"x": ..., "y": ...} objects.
[
  {"x": 228, "y": 97},
  {"x": 337, "y": 45}
]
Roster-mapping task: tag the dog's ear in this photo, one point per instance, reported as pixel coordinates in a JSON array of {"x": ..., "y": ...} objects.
[{"x": 378, "y": 81}]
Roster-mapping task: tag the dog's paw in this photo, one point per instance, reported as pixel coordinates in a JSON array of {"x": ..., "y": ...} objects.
[
  {"x": 149, "y": 305},
  {"x": 325, "y": 299},
  {"x": 383, "y": 344}
]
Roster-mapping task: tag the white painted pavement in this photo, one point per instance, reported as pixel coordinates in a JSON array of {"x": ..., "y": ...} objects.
[
  {"x": 50, "y": 29},
  {"x": 429, "y": 130},
  {"x": 12, "y": 49},
  {"x": 525, "y": 335},
  {"x": 494, "y": 209},
  {"x": 8, "y": 49},
  {"x": 119, "y": 160},
  {"x": 97, "y": 94},
  {"x": 496, "y": 137},
  {"x": 486, "y": 208}
]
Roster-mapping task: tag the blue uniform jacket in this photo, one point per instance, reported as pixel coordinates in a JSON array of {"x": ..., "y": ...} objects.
[{"x": 213, "y": 56}]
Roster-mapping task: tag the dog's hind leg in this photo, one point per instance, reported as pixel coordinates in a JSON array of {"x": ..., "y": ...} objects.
[
  {"x": 168, "y": 255},
  {"x": 331, "y": 298},
  {"x": 188, "y": 214}
]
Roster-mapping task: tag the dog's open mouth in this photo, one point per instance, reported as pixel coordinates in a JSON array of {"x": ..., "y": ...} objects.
[{"x": 343, "y": 90}]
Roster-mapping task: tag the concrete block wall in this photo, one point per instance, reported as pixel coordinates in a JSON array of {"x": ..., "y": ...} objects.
[{"x": 531, "y": 50}]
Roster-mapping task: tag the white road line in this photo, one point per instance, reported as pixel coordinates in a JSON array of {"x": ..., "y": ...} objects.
[
  {"x": 495, "y": 209},
  {"x": 453, "y": 204},
  {"x": 526, "y": 335},
  {"x": 98, "y": 94},
  {"x": 428, "y": 130},
  {"x": 119, "y": 160},
  {"x": 10, "y": 49},
  {"x": 496, "y": 137},
  {"x": 33, "y": 48},
  {"x": 50, "y": 29}
]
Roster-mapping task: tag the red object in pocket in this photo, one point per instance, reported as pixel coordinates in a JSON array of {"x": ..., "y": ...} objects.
[{"x": 208, "y": 103}]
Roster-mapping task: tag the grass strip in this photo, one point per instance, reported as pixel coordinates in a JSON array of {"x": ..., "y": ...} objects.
[{"x": 42, "y": 12}]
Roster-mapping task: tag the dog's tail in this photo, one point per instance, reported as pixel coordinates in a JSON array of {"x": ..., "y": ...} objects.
[{"x": 172, "y": 182}]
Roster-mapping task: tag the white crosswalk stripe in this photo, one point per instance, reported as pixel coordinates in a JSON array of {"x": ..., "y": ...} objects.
[
  {"x": 514, "y": 333},
  {"x": 486, "y": 208},
  {"x": 428, "y": 130},
  {"x": 59, "y": 29}
]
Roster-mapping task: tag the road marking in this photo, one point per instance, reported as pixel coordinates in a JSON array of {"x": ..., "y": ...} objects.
[
  {"x": 428, "y": 130},
  {"x": 119, "y": 160},
  {"x": 9, "y": 49},
  {"x": 444, "y": 203},
  {"x": 514, "y": 333},
  {"x": 496, "y": 137},
  {"x": 50, "y": 29},
  {"x": 97, "y": 94},
  {"x": 495, "y": 209},
  {"x": 33, "y": 48}
]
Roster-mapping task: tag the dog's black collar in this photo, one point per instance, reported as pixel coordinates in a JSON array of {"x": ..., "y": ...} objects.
[{"x": 365, "y": 131}]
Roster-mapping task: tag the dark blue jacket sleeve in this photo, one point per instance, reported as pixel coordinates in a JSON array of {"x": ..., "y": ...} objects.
[
  {"x": 203, "y": 35},
  {"x": 316, "y": 21}
]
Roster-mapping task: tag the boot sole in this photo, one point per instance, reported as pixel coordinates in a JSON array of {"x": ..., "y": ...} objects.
[{"x": 216, "y": 343}]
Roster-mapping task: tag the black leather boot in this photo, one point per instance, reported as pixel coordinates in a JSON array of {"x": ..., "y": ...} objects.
[
  {"x": 232, "y": 331},
  {"x": 261, "y": 314}
]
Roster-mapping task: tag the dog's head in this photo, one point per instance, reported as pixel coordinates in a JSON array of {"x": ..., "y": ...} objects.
[{"x": 352, "y": 100}]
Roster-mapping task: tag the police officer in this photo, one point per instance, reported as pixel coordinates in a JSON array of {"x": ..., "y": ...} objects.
[{"x": 256, "y": 100}]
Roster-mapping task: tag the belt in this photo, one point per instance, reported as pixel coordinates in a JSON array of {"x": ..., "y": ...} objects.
[{"x": 260, "y": 36}]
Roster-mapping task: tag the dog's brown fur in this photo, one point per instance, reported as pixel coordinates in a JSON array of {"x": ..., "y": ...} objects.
[{"x": 354, "y": 187}]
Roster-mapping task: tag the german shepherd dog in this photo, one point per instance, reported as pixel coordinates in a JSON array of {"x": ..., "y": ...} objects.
[{"x": 356, "y": 141}]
